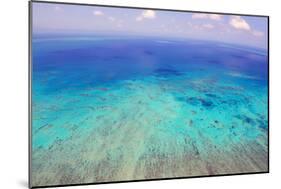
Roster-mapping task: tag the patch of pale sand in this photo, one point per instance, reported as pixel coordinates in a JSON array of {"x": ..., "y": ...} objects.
[
  {"x": 170, "y": 165},
  {"x": 238, "y": 158},
  {"x": 128, "y": 136},
  {"x": 137, "y": 162}
]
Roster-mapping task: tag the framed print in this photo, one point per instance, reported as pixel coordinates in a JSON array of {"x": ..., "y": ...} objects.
[{"x": 121, "y": 94}]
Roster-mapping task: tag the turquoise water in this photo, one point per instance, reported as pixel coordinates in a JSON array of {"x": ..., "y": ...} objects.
[{"x": 110, "y": 109}]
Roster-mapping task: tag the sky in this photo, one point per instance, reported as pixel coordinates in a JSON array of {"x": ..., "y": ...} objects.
[{"x": 79, "y": 19}]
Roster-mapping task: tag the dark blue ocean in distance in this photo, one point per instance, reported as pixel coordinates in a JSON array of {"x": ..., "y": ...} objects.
[
  {"x": 145, "y": 107},
  {"x": 89, "y": 62}
]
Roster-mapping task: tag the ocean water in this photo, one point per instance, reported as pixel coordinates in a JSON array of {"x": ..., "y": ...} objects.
[{"x": 114, "y": 109}]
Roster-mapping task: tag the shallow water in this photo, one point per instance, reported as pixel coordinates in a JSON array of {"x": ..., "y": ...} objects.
[{"x": 111, "y": 109}]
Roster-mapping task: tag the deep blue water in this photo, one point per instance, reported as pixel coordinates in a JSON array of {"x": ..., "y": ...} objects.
[{"x": 82, "y": 63}]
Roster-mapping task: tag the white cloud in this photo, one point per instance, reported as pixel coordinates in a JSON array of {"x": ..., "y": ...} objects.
[
  {"x": 257, "y": 33},
  {"x": 98, "y": 13},
  {"x": 239, "y": 23},
  {"x": 199, "y": 16},
  {"x": 150, "y": 14},
  {"x": 147, "y": 14},
  {"x": 216, "y": 17}
]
